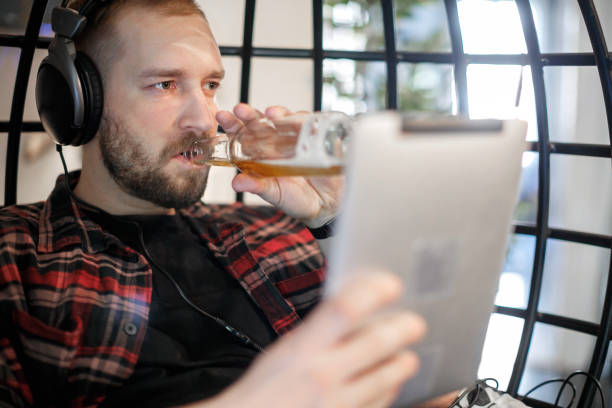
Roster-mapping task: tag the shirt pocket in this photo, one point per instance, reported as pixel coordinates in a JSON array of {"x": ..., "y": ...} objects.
[
  {"x": 302, "y": 291},
  {"x": 48, "y": 354}
]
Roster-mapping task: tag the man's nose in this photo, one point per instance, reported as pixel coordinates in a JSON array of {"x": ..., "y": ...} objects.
[{"x": 198, "y": 114}]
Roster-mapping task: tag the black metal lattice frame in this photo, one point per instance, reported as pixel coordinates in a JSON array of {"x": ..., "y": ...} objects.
[{"x": 600, "y": 58}]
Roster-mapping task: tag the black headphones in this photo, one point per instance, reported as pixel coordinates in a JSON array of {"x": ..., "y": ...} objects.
[{"x": 68, "y": 85}]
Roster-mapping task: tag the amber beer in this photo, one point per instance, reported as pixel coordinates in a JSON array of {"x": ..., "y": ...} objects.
[
  {"x": 261, "y": 169},
  {"x": 296, "y": 145}
]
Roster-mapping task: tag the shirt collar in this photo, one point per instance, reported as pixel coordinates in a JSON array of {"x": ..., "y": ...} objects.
[{"x": 63, "y": 222}]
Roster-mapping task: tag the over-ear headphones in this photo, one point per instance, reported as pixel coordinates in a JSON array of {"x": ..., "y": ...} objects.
[{"x": 69, "y": 94}]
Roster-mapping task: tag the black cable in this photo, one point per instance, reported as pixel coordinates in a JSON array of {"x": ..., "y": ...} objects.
[
  {"x": 235, "y": 332},
  {"x": 58, "y": 147},
  {"x": 560, "y": 390},
  {"x": 232, "y": 330},
  {"x": 589, "y": 377},
  {"x": 484, "y": 380}
]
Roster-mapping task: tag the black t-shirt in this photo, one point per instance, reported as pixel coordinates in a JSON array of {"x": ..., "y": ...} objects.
[{"x": 185, "y": 355}]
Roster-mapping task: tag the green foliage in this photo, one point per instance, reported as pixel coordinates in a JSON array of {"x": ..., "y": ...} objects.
[{"x": 410, "y": 97}]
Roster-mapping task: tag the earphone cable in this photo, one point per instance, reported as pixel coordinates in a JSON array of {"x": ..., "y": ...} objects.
[
  {"x": 229, "y": 328},
  {"x": 235, "y": 332},
  {"x": 556, "y": 380},
  {"x": 589, "y": 377}
]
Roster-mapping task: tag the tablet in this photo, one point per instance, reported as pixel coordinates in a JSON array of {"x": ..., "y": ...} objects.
[{"x": 432, "y": 200}]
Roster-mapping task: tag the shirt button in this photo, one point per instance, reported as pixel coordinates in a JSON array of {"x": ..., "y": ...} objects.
[{"x": 130, "y": 329}]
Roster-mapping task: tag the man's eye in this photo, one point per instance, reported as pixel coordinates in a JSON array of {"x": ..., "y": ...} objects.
[
  {"x": 165, "y": 85},
  {"x": 211, "y": 86}
]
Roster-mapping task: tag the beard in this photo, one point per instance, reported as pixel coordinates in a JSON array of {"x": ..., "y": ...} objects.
[{"x": 145, "y": 176}]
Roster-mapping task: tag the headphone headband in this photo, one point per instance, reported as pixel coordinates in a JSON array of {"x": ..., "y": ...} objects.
[{"x": 69, "y": 23}]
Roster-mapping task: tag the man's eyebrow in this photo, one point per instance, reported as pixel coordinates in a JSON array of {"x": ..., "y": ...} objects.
[
  {"x": 219, "y": 74},
  {"x": 163, "y": 72}
]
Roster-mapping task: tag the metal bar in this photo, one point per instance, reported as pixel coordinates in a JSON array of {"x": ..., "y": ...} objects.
[
  {"x": 419, "y": 57},
  {"x": 604, "y": 66},
  {"x": 231, "y": 51},
  {"x": 510, "y": 311},
  {"x": 282, "y": 53},
  {"x": 601, "y": 346},
  {"x": 18, "y": 103},
  {"x": 569, "y": 323},
  {"x": 557, "y": 59},
  {"x": 246, "y": 54},
  {"x": 390, "y": 53},
  {"x": 497, "y": 59},
  {"x": 9, "y": 40},
  {"x": 317, "y": 53},
  {"x": 525, "y": 229},
  {"x": 575, "y": 149},
  {"x": 601, "y": 55},
  {"x": 425, "y": 57},
  {"x": 573, "y": 59},
  {"x": 452, "y": 14},
  {"x": 355, "y": 55},
  {"x": 18, "y": 41},
  {"x": 535, "y": 61},
  {"x": 603, "y": 241},
  {"x": 25, "y": 127},
  {"x": 247, "y": 50}
]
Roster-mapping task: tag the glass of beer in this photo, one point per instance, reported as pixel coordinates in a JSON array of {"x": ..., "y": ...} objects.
[{"x": 311, "y": 144}]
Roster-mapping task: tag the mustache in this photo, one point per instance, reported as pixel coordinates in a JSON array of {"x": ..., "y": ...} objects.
[{"x": 182, "y": 145}]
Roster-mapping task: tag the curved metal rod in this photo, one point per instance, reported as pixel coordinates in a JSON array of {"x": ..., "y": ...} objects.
[
  {"x": 602, "y": 60},
  {"x": 19, "y": 97},
  {"x": 317, "y": 21},
  {"x": 535, "y": 60},
  {"x": 390, "y": 53},
  {"x": 452, "y": 15},
  {"x": 246, "y": 55}
]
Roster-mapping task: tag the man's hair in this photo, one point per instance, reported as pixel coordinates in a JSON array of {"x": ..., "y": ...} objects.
[{"x": 99, "y": 39}]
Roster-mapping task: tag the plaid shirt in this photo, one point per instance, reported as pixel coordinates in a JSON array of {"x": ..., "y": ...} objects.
[{"x": 74, "y": 300}]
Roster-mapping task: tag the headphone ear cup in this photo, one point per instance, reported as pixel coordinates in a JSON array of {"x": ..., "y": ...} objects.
[
  {"x": 93, "y": 97},
  {"x": 56, "y": 105}
]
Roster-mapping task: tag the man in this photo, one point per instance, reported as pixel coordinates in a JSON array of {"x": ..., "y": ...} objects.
[{"x": 131, "y": 291}]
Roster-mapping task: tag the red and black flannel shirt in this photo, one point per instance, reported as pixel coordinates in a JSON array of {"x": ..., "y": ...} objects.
[{"x": 74, "y": 300}]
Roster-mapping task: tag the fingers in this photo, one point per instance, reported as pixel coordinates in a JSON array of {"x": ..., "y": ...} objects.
[
  {"x": 234, "y": 122},
  {"x": 382, "y": 339},
  {"x": 246, "y": 112},
  {"x": 339, "y": 316},
  {"x": 381, "y": 385},
  {"x": 230, "y": 123},
  {"x": 277, "y": 112}
]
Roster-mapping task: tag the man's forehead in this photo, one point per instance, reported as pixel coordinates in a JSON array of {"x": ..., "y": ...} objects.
[
  {"x": 153, "y": 40},
  {"x": 155, "y": 25}
]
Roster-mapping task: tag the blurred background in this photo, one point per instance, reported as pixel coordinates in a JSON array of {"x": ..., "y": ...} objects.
[{"x": 574, "y": 274}]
